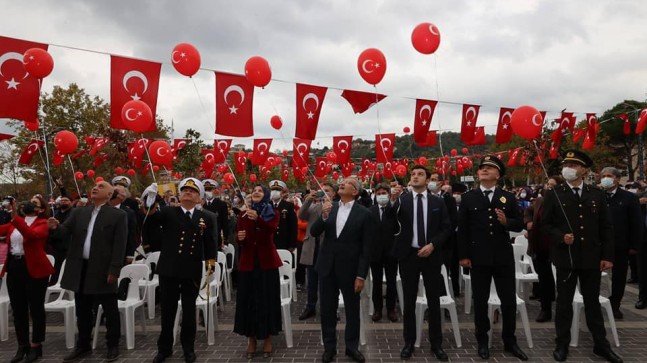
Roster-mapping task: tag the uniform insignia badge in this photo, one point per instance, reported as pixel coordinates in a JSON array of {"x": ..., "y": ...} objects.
[
  {"x": 503, "y": 200},
  {"x": 202, "y": 225}
]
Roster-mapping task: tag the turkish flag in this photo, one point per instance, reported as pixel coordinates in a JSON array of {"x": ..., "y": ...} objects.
[
  {"x": 98, "y": 145},
  {"x": 132, "y": 79},
  {"x": 567, "y": 121},
  {"x": 261, "y": 151},
  {"x": 479, "y": 137},
  {"x": 468, "y": 124},
  {"x": 342, "y": 146},
  {"x": 503, "y": 130},
  {"x": 6, "y": 137},
  {"x": 19, "y": 91},
  {"x": 30, "y": 150},
  {"x": 57, "y": 158},
  {"x": 99, "y": 159},
  {"x": 384, "y": 144},
  {"x": 591, "y": 121},
  {"x": 578, "y": 134},
  {"x": 347, "y": 169},
  {"x": 300, "y": 152},
  {"x": 79, "y": 154},
  {"x": 512, "y": 156},
  {"x": 285, "y": 173},
  {"x": 179, "y": 144},
  {"x": 362, "y": 101},
  {"x": 626, "y": 128},
  {"x": 309, "y": 101},
  {"x": 234, "y": 101},
  {"x": 422, "y": 119},
  {"x": 241, "y": 162},
  {"x": 552, "y": 153},
  {"x": 642, "y": 121},
  {"x": 431, "y": 139},
  {"x": 221, "y": 148},
  {"x": 321, "y": 163}
]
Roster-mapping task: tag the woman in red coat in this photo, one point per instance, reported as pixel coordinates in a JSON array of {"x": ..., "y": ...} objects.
[
  {"x": 28, "y": 271},
  {"x": 258, "y": 300}
]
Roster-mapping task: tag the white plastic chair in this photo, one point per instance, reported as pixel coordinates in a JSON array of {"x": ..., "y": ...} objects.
[
  {"x": 285, "y": 274},
  {"x": 67, "y": 307},
  {"x": 521, "y": 240},
  {"x": 446, "y": 302},
  {"x": 578, "y": 304},
  {"x": 467, "y": 281},
  {"x": 51, "y": 259},
  {"x": 4, "y": 308},
  {"x": 398, "y": 288},
  {"x": 523, "y": 275},
  {"x": 134, "y": 300},
  {"x": 287, "y": 256},
  {"x": 230, "y": 253},
  {"x": 56, "y": 288},
  {"x": 494, "y": 303},
  {"x": 222, "y": 260},
  {"x": 151, "y": 283}
]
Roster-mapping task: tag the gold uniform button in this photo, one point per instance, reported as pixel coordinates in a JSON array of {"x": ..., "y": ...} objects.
[
  {"x": 491, "y": 233},
  {"x": 489, "y": 209},
  {"x": 179, "y": 251},
  {"x": 180, "y": 245},
  {"x": 582, "y": 227},
  {"x": 490, "y": 217},
  {"x": 581, "y": 216},
  {"x": 580, "y": 206}
]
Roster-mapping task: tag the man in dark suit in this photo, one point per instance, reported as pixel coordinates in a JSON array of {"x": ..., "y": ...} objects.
[
  {"x": 624, "y": 209},
  {"x": 342, "y": 264},
  {"x": 422, "y": 230},
  {"x": 450, "y": 251},
  {"x": 187, "y": 242},
  {"x": 119, "y": 195},
  {"x": 97, "y": 236},
  {"x": 575, "y": 218},
  {"x": 217, "y": 206},
  {"x": 383, "y": 263},
  {"x": 642, "y": 257},
  {"x": 286, "y": 234},
  {"x": 486, "y": 217}
]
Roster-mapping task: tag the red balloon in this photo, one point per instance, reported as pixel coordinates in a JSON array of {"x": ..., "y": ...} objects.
[
  {"x": 406, "y": 130},
  {"x": 331, "y": 156},
  {"x": 33, "y": 125},
  {"x": 454, "y": 172},
  {"x": 257, "y": 71},
  {"x": 454, "y": 152},
  {"x": 78, "y": 175},
  {"x": 422, "y": 160},
  {"x": 526, "y": 122},
  {"x": 335, "y": 175},
  {"x": 186, "y": 59},
  {"x": 228, "y": 178},
  {"x": 460, "y": 169},
  {"x": 425, "y": 38},
  {"x": 66, "y": 142},
  {"x": 156, "y": 168},
  {"x": 401, "y": 170},
  {"x": 119, "y": 170},
  {"x": 276, "y": 123},
  {"x": 38, "y": 62},
  {"x": 465, "y": 150},
  {"x": 371, "y": 65},
  {"x": 99, "y": 179},
  {"x": 252, "y": 178},
  {"x": 160, "y": 152},
  {"x": 137, "y": 116},
  {"x": 285, "y": 153},
  {"x": 90, "y": 173},
  {"x": 130, "y": 172},
  {"x": 304, "y": 170}
]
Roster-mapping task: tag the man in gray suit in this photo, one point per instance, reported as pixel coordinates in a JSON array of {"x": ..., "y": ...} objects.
[{"x": 97, "y": 235}]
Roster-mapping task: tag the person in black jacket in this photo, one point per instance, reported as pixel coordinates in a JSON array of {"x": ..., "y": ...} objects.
[
  {"x": 286, "y": 235},
  {"x": 450, "y": 252},
  {"x": 422, "y": 228},
  {"x": 575, "y": 218},
  {"x": 486, "y": 217},
  {"x": 118, "y": 197},
  {"x": 624, "y": 209},
  {"x": 217, "y": 206}
]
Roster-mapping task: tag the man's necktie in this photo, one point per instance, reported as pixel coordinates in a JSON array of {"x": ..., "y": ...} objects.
[
  {"x": 420, "y": 221},
  {"x": 609, "y": 196},
  {"x": 576, "y": 190},
  {"x": 381, "y": 213},
  {"x": 487, "y": 194},
  {"x": 188, "y": 215}
]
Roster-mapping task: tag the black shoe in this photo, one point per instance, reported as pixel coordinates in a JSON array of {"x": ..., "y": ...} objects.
[
  {"x": 34, "y": 354},
  {"x": 516, "y": 351},
  {"x": 607, "y": 354},
  {"x": 440, "y": 354},
  {"x": 407, "y": 351},
  {"x": 544, "y": 316},
  {"x": 356, "y": 355},
  {"x": 307, "y": 313},
  {"x": 20, "y": 354},
  {"x": 77, "y": 354},
  {"x": 377, "y": 316},
  {"x": 640, "y": 305},
  {"x": 189, "y": 357},
  {"x": 484, "y": 351},
  {"x": 392, "y": 315},
  {"x": 160, "y": 357},
  {"x": 560, "y": 353},
  {"x": 328, "y": 356},
  {"x": 632, "y": 281},
  {"x": 617, "y": 314},
  {"x": 113, "y": 354}
]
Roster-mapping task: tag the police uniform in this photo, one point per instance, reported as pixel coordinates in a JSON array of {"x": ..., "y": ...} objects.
[
  {"x": 186, "y": 243},
  {"x": 486, "y": 242},
  {"x": 585, "y": 216}
]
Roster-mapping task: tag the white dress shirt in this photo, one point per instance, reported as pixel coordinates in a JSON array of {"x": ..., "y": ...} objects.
[
  {"x": 414, "y": 241},
  {"x": 17, "y": 248},
  {"x": 342, "y": 215},
  {"x": 88, "y": 236},
  {"x": 491, "y": 195},
  {"x": 188, "y": 210},
  {"x": 579, "y": 192}
]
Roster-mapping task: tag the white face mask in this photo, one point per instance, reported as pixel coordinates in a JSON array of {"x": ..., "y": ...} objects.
[
  {"x": 382, "y": 199},
  {"x": 236, "y": 200},
  {"x": 457, "y": 197},
  {"x": 433, "y": 186},
  {"x": 275, "y": 195},
  {"x": 569, "y": 174},
  {"x": 633, "y": 190},
  {"x": 606, "y": 182},
  {"x": 209, "y": 195},
  {"x": 522, "y": 195}
]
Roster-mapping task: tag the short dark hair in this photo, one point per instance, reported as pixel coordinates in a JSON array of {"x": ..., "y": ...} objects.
[
  {"x": 333, "y": 186},
  {"x": 383, "y": 186},
  {"x": 418, "y": 166}
]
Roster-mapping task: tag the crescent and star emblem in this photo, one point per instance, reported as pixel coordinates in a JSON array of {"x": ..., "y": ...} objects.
[
  {"x": 342, "y": 149},
  {"x": 385, "y": 147},
  {"x": 535, "y": 121},
  {"x": 176, "y": 61},
  {"x": 433, "y": 30},
  {"x": 307, "y": 97},
  {"x": 237, "y": 89},
  {"x": 367, "y": 62},
  {"x": 131, "y": 118},
  {"x": 11, "y": 56},
  {"x": 469, "y": 119},
  {"x": 305, "y": 148},
  {"x": 30, "y": 150},
  {"x": 135, "y": 74},
  {"x": 422, "y": 109},
  {"x": 159, "y": 152},
  {"x": 262, "y": 150}
]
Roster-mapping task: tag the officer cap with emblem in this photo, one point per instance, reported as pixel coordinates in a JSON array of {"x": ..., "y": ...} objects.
[
  {"x": 121, "y": 180},
  {"x": 278, "y": 185},
  {"x": 210, "y": 184},
  {"x": 577, "y": 156},
  {"x": 194, "y": 184},
  {"x": 493, "y": 161}
]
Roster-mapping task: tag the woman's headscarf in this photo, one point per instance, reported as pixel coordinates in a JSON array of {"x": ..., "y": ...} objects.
[{"x": 264, "y": 207}]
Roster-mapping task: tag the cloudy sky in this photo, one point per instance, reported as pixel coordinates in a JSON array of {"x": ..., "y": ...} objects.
[{"x": 581, "y": 55}]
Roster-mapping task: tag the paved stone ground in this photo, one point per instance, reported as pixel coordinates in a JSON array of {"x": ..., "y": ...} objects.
[{"x": 384, "y": 340}]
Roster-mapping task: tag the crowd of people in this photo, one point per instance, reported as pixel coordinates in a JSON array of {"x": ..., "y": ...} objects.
[{"x": 339, "y": 231}]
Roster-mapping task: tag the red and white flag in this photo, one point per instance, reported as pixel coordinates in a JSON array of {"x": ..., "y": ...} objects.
[
  {"x": 347, "y": 169},
  {"x": 642, "y": 121},
  {"x": 261, "y": 151},
  {"x": 30, "y": 150},
  {"x": 6, "y": 137},
  {"x": 422, "y": 119},
  {"x": 626, "y": 127},
  {"x": 221, "y": 148},
  {"x": 479, "y": 137},
  {"x": 321, "y": 164},
  {"x": 240, "y": 161},
  {"x": 468, "y": 124},
  {"x": 361, "y": 101},
  {"x": 300, "y": 152},
  {"x": 98, "y": 145},
  {"x": 384, "y": 144},
  {"x": 342, "y": 146},
  {"x": 504, "y": 130},
  {"x": 309, "y": 101},
  {"x": 179, "y": 144},
  {"x": 430, "y": 140},
  {"x": 567, "y": 121},
  {"x": 132, "y": 79},
  {"x": 512, "y": 156},
  {"x": 19, "y": 91},
  {"x": 234, "y": 101}
]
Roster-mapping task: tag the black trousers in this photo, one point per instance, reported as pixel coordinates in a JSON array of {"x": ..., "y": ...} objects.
[
  {"x": 27, "y": 298},
  {"x": 619, "y": 278},
  {"x": 329, "y": 287},
  {"x": 386, "y": 266},
  {"x": 411, "y": 267},
  {"x": 546, "y": 290},
  {"x": 300, "y": 274},
  {"x": 504, "y": 281},
  {"x": 590, "y": 290},
  {"x": 171, "y": 290},
  {"x": 450, "y": 259},
  {"x": 642, "y": 266}
]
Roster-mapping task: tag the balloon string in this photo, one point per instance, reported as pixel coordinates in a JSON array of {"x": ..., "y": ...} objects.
[
  {"x": 440, "y": 139},
  {"x": 150, "y": 163},
  {"x": 78, "y": 190},
  {"x": 379, "y": 129}
]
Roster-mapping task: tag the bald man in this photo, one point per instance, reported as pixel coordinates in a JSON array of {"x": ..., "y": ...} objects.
[{"x": 97, "y": 235}]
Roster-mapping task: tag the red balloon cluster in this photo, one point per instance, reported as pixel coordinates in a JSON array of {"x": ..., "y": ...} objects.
[
  {"x": 66, "y": 142},
  {"x": 371, "y": 65},
  {"x": 258, "y": 71},
  {"x": 186, "y": 59},
  {"x": 137, "y": 116},
  {"x": 276, "y": 122},
  {"x": 38, "y": 62},
  {"x": 160, "y": 153},
  {"x": 425, "y": 38},
  {"x": 526, "y": 122}
]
